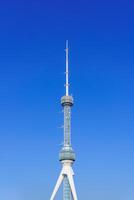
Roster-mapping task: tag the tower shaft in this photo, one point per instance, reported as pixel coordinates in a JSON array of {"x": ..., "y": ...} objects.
[
  {"x": 67, "y": 143},
  {"x": 66, "y": 189},
  {"x": 67, "y": 126}
]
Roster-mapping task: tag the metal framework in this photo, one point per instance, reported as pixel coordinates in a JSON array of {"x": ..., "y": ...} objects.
[{"x": 67, "y": 155}]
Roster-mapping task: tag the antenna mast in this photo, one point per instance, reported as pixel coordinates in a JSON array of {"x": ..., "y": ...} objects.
[{"x": 67, "y": 84}]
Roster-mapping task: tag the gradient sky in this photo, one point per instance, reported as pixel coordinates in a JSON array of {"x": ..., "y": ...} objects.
[{"x": 32, "y": 65}]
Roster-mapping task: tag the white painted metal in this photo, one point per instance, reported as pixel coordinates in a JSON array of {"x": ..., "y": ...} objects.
[
  {"x": 66, "y": 171},
  {"x": 67, "y": 83},
  {"x": 59, "y": 181}
]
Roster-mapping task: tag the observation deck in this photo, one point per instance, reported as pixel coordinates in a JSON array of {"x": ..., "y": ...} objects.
[
  {"x": 67, "y": 153},
  {"x": 67, "y": 101}
]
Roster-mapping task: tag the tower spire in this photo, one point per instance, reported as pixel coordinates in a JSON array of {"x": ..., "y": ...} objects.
[{"x": 67, "y": 72}]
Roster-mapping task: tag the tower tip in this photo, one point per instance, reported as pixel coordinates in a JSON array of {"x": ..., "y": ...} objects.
[{"x": 66, "y": 44}]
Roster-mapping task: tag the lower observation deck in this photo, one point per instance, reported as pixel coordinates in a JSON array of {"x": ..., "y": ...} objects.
[{"x": 67, "y": 153}]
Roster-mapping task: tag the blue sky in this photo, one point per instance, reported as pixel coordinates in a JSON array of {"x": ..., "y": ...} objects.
[{"x": 32, "y": 65}]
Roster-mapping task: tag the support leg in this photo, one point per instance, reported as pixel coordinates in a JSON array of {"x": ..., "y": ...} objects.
[{"x": 59, "y": 181}]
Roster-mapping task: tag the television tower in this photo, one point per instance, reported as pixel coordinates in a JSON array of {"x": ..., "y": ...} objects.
[{"x": 67, "y": 155}]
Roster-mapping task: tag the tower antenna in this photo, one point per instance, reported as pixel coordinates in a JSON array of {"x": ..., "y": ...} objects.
[{"x": 67, "y": 72}]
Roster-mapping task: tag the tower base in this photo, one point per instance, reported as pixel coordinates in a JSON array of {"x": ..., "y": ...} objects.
[{"x": 67, "y": 172}]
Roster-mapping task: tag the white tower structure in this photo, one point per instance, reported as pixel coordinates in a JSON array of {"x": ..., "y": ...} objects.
[{"x": 67, "y": 155}]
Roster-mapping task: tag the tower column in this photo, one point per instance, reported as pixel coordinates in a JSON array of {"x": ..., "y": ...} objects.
[
  {"x": 67, "y": 152},
  {"x": 66, "y": 189},
  {"x": 67, "y": 126}
]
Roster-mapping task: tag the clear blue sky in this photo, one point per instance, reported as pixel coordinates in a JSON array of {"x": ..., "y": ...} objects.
[{"x": 32, "y": 64}]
